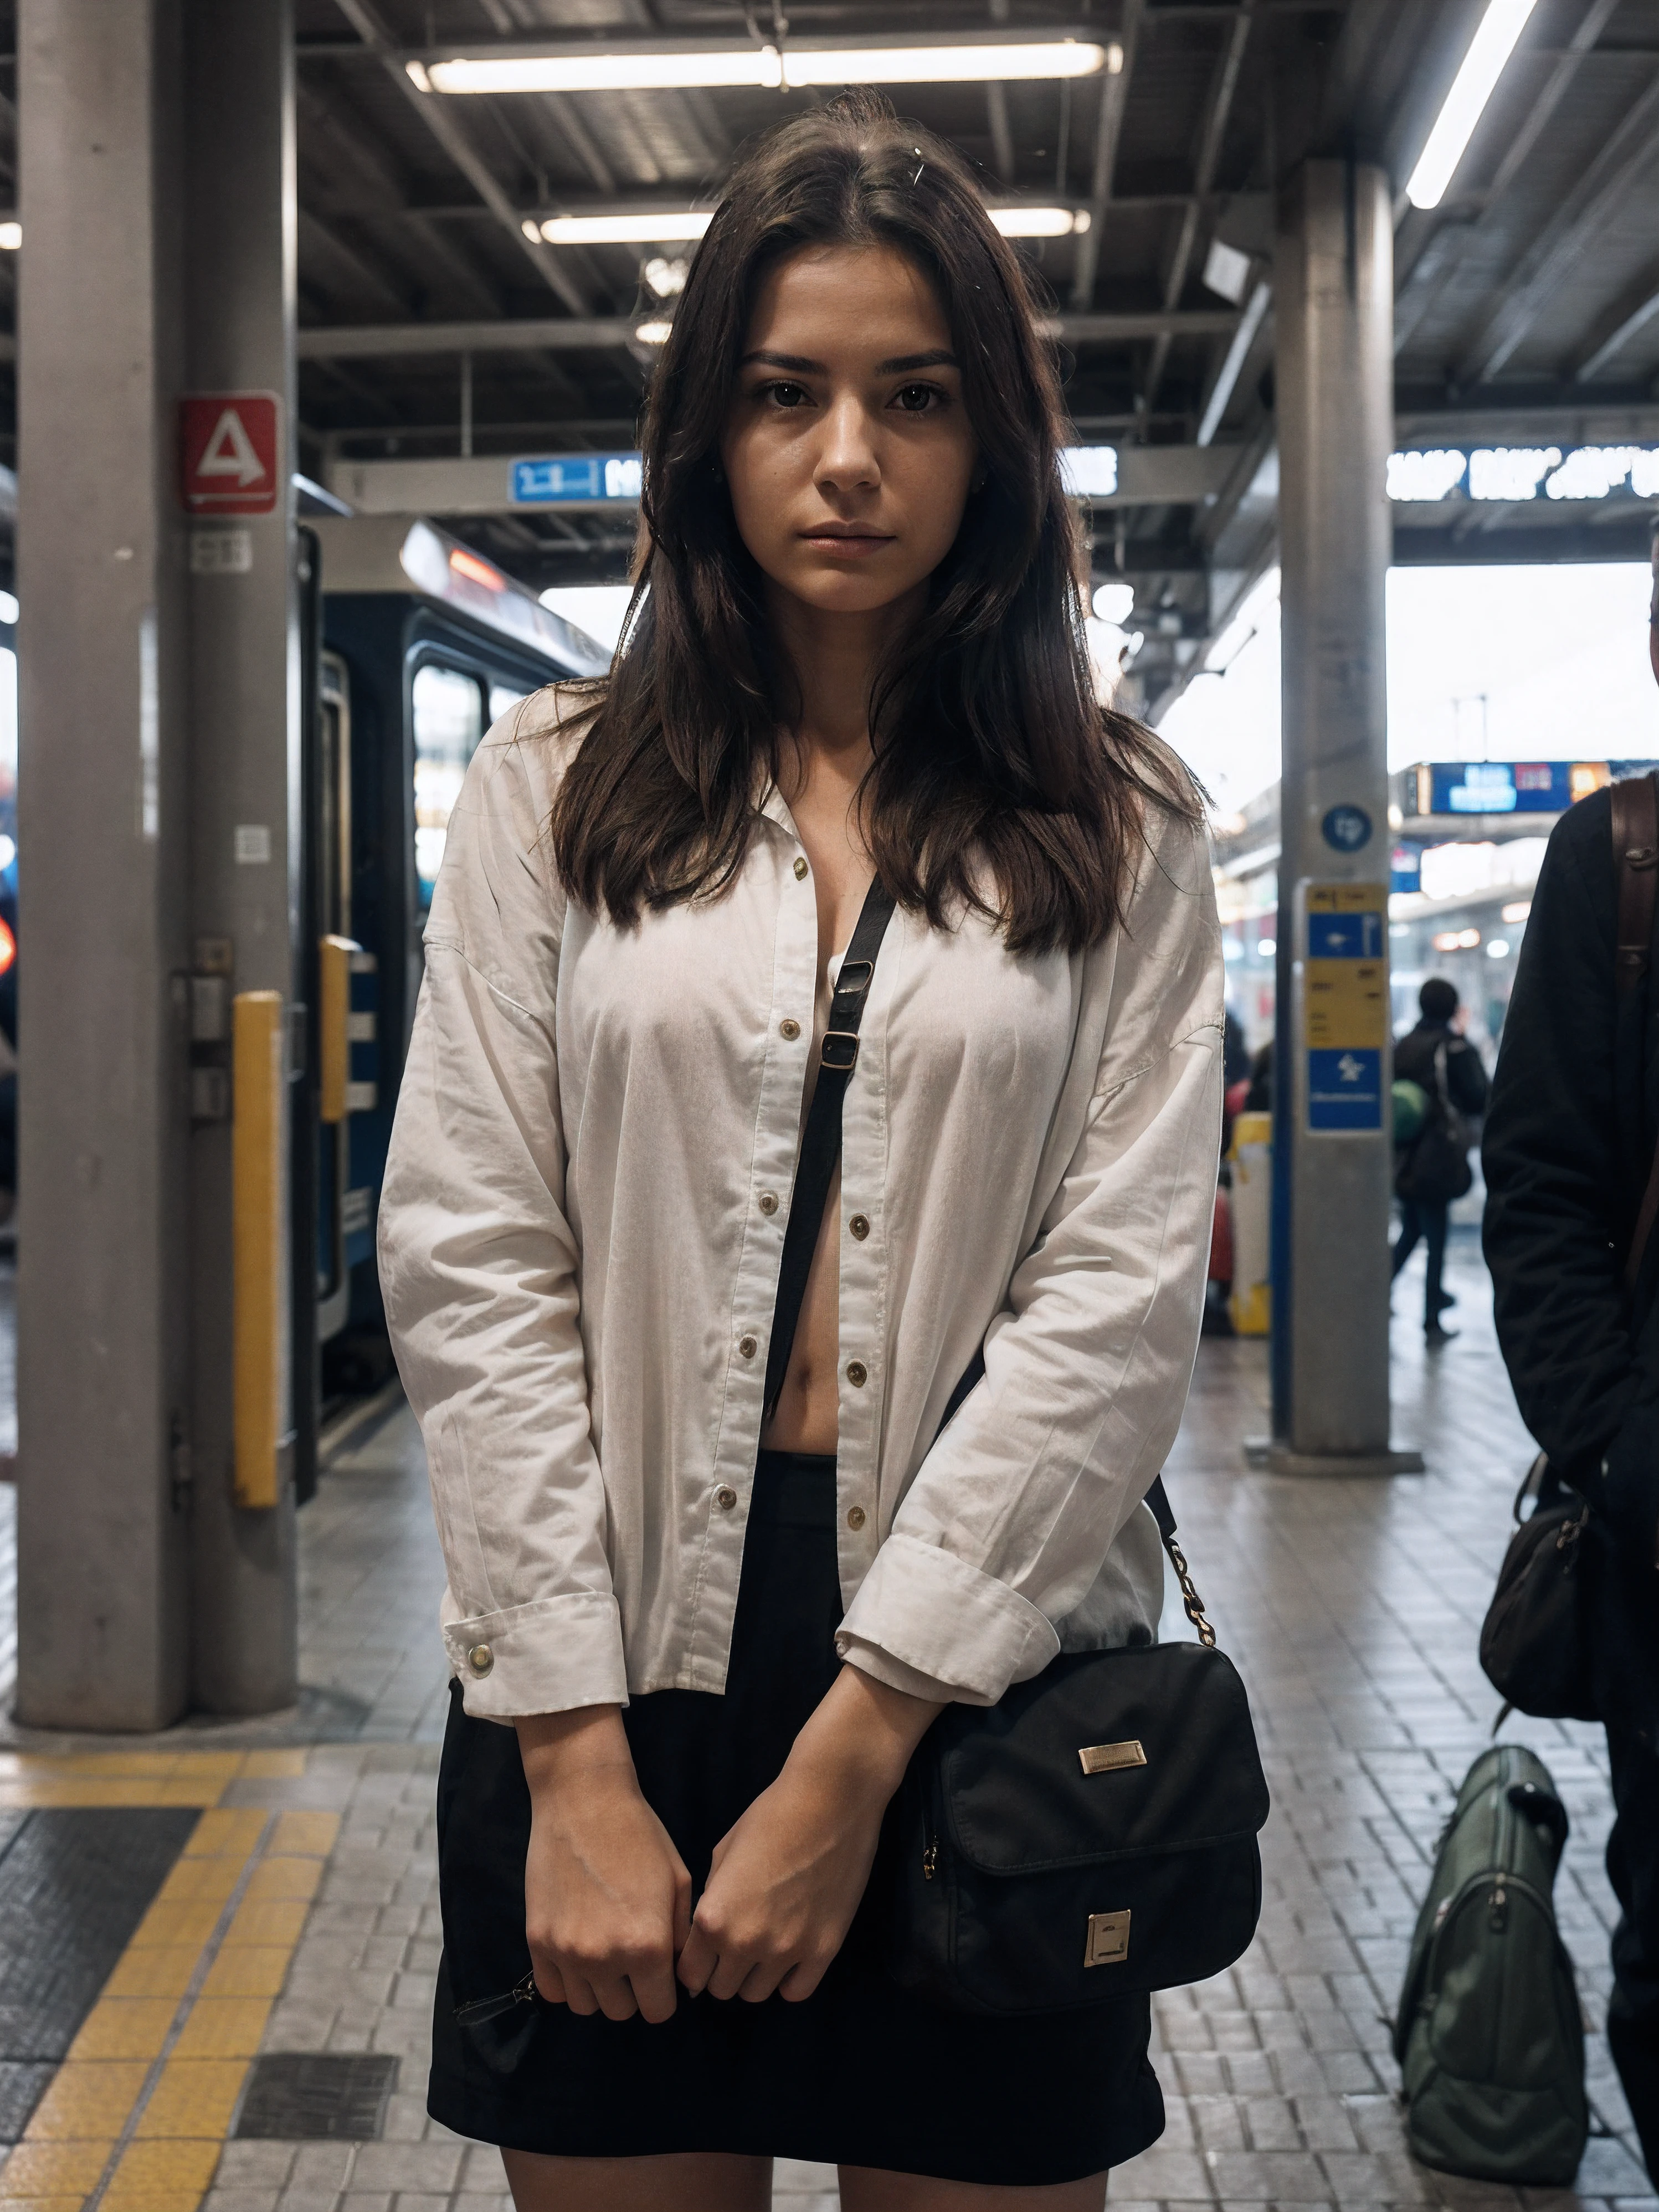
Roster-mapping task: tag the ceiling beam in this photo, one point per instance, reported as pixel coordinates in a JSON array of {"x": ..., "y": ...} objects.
[
  {"x": 1109, "y": 130},
  {"x": 1439, "y": 261},
  {"x": 450, "y": 133},
  {"x": 1224, "y": 84},
  {"x": 1633, "y": 314},
  {"x": 1559, "y": 247},
  {"x": 589, "y": 333}
]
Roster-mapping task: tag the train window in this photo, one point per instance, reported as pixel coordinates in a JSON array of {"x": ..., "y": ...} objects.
[
  {"x": 502, "y": 697},
  {"x": 448, "y": 715}
]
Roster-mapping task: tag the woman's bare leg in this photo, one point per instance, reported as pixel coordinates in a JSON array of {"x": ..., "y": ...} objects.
[
  {"x": 870, "y": 2189},
  {"x": 689, "y": 2181}
]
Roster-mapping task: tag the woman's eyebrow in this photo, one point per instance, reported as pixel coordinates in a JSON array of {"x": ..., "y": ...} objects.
[
  {"x": 798, "y": 362},
  {"x": 902, "y": 363}
]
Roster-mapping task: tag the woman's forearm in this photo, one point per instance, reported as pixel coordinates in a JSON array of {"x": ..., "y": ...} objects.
[{"x": 863, "y": 1732}]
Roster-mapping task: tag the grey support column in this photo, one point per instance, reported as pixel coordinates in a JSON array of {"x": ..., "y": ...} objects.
[
  {"x": 156, "y": 718},
  {"x": 239, "y": 224},
  {"x": 1333, "y": 297},
  {"x": 103, "y": 1354}
]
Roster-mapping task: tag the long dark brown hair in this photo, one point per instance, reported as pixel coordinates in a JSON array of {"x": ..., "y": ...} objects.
[{"x": 994, "y": 769}]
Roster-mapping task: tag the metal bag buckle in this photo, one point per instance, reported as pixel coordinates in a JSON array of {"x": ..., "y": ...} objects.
[
  {"x": 847, "y": 1039},
  {"x": 854, "y": 980}
]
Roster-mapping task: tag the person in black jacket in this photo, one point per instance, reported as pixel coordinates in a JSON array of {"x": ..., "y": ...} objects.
[
  {"x": 1570, "y": 1141},
  {"x": 1423, "y": 1214}
]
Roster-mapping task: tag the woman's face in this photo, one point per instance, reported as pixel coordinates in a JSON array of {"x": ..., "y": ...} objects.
[{"x": 847, "y": 447}]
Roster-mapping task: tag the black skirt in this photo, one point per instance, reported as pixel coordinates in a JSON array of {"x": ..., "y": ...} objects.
[{"x": 861, "y": 2073}]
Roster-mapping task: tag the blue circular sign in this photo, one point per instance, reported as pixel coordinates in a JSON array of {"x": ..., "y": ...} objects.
[{"x": 1347, "y": 827}]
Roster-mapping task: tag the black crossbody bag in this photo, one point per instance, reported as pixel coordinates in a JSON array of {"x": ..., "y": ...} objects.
[{"x": 1093, "y": 1834}]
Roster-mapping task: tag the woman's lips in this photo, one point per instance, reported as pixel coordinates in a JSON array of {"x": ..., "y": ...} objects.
[{"x": 845, "y": 547}]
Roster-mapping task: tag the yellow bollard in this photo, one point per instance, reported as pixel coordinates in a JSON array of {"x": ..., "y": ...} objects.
[
  {"x": 1252, "y": 1157},
  {"x": 258, "y": 1273}
]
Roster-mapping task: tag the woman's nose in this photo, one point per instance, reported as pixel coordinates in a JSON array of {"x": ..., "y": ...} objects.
[{"x": 847, "y": 457}]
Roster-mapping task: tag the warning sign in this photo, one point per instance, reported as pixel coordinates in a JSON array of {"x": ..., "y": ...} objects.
[{"x": 229, "y": 452}]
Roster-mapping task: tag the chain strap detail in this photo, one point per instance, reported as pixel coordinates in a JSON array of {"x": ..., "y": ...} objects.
[{"x": 1189, "y": 1597}]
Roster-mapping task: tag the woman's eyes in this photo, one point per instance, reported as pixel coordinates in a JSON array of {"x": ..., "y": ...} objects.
[{"x": 909, "y": 399}]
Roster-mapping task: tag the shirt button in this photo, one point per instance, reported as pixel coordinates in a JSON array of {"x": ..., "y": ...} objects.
[
  {"x": 789, "y": 1028},
  {"x": 800, "y": 870},
  {"x": 769, "y": 1201},
  {"x": 859, "y": 1227},
  {"x": 748, "y": 1347},
  {"x": 855, "y": 1516},
  {"x": 480, "y": 1658},
  {"x": 725, "y": 1499},
  {"x": 857, "y": 1373}
]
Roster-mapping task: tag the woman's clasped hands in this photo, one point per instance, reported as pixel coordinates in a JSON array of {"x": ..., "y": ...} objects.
[{"x": 608, "y": 1898}]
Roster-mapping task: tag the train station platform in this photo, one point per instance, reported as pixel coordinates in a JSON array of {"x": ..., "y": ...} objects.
[{"x": 217, "y": 1947}]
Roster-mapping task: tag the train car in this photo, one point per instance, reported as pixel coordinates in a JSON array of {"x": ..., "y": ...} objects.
[{"x": 414, "y": 645}]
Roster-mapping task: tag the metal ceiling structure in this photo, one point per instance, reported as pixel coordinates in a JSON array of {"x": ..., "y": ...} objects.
[{"x": 437, "y": 324}]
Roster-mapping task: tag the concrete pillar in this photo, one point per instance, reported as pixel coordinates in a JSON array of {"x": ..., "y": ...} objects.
[
  {"x": 1333, "y": 304},
  {"x": 103, "y": 1357},
  {"x": 239, "y": 224},
  {"x": 156, "y": 713}
]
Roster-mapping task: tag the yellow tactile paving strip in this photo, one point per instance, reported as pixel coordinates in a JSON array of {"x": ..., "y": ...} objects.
[{"x": 136, "y": 2115}]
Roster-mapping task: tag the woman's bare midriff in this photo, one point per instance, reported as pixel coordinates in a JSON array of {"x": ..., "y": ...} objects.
[{"x": 808, "y": 1417}]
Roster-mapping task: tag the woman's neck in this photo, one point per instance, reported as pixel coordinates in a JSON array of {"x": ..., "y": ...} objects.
[{"x": 836, "y": 658}]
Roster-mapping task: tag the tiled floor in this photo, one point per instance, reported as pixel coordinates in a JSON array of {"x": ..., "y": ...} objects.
[{"x": 1351, "y": 1608}]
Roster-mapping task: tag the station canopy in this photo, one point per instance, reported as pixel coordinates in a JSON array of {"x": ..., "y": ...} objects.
[{"x": 497, "y": 198}]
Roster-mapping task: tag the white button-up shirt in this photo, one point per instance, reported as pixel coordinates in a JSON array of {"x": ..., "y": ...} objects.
[{"x": 584, "y": 1214}]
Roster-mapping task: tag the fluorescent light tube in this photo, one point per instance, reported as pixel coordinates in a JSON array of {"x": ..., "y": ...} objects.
[
  {"x": 761, "y": 66},
  {"x": 1472, "y": 88},
  {"x": 648, "y": 229},
  {"x": 1038, "y": 222}
]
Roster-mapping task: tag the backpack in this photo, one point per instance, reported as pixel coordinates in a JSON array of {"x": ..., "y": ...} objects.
[
  {"x": 1489, "y": 2035},
  {"x": 1437, "y": 1167}
]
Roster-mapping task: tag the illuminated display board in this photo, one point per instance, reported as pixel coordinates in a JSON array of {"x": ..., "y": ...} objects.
[{"x": 1517, "y": 473}]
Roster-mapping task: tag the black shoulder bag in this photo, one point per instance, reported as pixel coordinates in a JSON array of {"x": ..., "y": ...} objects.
[
  {"x": 1536, "y": 1639},
  {"x": 1093, "y": 1834}
]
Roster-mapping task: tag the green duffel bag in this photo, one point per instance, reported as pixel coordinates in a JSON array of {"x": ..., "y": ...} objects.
[{"x": 1489, "y": 2036}]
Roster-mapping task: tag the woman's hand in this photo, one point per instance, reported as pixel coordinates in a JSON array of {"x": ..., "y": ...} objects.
[
  {"x": 607, "y": 1897},
  {"x": 787, "y": 1878}
]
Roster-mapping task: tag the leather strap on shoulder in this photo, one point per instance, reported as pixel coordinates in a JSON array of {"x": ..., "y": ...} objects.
[
  {"x": 820, "y": 1143},
  {"x": 1636, "y": 860},
  {"x": 1636, "y": 864}
]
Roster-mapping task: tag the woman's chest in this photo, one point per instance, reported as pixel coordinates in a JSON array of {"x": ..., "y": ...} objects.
[{"x": 709, "y": 1008}]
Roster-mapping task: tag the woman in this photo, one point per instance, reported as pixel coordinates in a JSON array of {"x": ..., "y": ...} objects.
[{"x": 696, "y": 1636}]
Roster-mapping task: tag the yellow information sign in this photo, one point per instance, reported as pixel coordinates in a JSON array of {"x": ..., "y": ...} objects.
[
  {"x": 1347, "y": 1003},
  {"x": 1345, "y": 1006}
]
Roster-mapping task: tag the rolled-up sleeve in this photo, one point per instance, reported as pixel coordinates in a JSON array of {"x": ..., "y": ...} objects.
[
  {"x": 479, "y": 1267},
  {"x": 1010, "y": 1518}
]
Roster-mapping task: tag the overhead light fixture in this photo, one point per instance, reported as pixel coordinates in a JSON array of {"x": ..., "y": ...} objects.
[
  {"x": 1472, "y": 88},
  {"x": 11, "y": 237},
  {"x": 663, "y": 225},
  {"x": 652, "y": 333},
  {"x": 653, "y": 226},
  {"x": 766, "y": 68},
  {"x": 1039, "y": 221}
]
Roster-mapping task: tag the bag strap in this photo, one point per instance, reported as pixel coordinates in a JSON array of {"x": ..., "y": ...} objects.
[
  {"x": 1636, "y": 860},
  {"x": 820, "y": 1149},
  {"x": 820, "y": 1143}
]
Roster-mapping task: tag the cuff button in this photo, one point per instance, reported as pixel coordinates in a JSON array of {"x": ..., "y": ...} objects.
[{"x": 480, "y": 1658}]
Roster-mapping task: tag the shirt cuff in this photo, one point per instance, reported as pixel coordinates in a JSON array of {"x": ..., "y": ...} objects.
[
  {"x": 934, "y": 1614},
  {"x": 547, "y": 1657}
]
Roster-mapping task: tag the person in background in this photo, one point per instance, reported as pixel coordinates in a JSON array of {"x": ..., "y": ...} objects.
[
  {"x": 1418, "y": 1059},
  {"x": 1569, "y": 1149}
]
